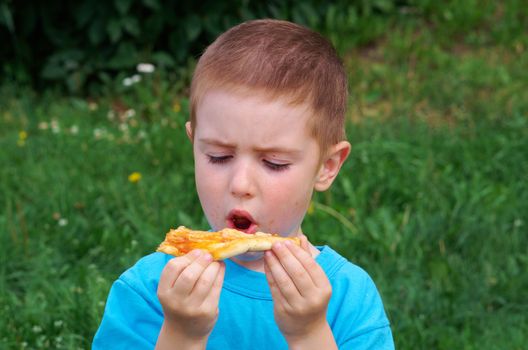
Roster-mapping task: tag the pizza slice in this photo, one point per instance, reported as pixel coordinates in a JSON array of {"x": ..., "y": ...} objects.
[{"x": 221, "y": 244}]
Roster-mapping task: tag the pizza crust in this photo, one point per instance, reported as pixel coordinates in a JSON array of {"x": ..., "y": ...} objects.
[{"x": 221, "y": 244}]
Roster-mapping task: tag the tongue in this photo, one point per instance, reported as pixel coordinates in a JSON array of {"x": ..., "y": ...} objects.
[{"x": 242, "y": 223}]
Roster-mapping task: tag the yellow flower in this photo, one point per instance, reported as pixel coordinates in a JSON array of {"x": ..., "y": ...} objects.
[
  {"x": 134, "y": 177},
  {"x": 22, "y": 136},
  {"x": 311, "y": 208},
  {"x": 176, "y": 107}
]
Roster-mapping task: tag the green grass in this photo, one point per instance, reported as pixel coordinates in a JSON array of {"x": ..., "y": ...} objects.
[{"x": 433, "y": 201}]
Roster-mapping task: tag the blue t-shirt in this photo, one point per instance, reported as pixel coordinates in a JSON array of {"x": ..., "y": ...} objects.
[{"x": 133, "y": 315}]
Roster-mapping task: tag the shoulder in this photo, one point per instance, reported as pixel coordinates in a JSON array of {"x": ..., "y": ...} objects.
[
  {"x": 355, "y": 307},
  {"x": 340, "y": 270},
  {"x": 346, "y": 277},
  {"x": 146, "y": 270}
]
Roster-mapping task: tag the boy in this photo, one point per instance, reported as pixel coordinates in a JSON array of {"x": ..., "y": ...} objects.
[{"x": 268, "y": 100}]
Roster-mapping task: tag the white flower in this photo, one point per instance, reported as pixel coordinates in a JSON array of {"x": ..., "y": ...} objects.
[
  {"x": 130, "y": 113},
  {"x": 63, "y": 222},
  {"x": 36, "y": 329},
  {"x": 43, "y": 126},
  {"x": 74, "y": 129},
  {"x": 58, "y": 323},
  {"x": 146, "y": 68},
  {"x": 55, "y": 127},
  {"x": 110, "y": 115},
  {"x": 127, "y": 82},
  {"x": 98, "y": 133},
  {"x": 131, "y": 80},
  {"x": 135, "y": 78}
]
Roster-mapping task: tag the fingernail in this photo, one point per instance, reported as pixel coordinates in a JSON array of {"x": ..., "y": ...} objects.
[
  {"x": 278, "y": 245},
  {"x": 288, "y": 243}
]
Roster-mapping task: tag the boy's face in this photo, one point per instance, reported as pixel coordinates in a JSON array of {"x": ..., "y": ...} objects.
[{"x": 255, "y": 163}]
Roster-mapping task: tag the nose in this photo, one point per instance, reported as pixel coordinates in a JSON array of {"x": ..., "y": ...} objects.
[{"x": 242, "y": 183}]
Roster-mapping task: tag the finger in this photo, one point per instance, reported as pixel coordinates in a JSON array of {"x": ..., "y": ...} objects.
[
  {"x": 174, "y": 267},
  {"x": 282, "y": 280},
  {"x": 214, "y": 295},
  {"x": 190, "y": 275},
  {"x": 293, "y": 267},
  {"x": 205, "y": 282},
  {"x": 304, "y": 243},
  {"x": 314, "y": 271},
  {"x": 276, "y": 294}
]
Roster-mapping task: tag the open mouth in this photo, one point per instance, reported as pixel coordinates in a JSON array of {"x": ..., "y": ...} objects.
[{"x": 242, "y": 221}]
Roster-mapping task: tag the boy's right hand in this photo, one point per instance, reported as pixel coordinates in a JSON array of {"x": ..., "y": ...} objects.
[{"x": 189, "y": 292}]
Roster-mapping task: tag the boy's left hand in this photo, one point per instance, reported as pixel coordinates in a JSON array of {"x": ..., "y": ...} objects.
[{"x": 300, "y": 290}]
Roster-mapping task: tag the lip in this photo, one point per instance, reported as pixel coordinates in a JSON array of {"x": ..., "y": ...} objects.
[{"x": 239, "y": 212}]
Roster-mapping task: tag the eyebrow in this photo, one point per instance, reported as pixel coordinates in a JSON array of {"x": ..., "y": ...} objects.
[{"x": 273, "y": 149}]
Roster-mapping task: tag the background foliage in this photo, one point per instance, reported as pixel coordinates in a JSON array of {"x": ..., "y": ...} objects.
[
  {"x": 433, "y": 201},
  {"x": 81, "y": 44}
]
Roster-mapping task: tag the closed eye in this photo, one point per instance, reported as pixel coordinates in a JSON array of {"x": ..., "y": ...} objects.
[
  {"x": 218, "y": 160},
  {"x": 276, "y": 166}
]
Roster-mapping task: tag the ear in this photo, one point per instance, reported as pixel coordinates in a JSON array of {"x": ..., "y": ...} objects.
[
  {"x": 331, "y": 165},
  {"x": 188, "y": 130}
]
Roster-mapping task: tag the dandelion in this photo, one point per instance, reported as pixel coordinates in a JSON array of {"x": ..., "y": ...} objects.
[
  {"x": 134, "y": 177},
  {"x": 146, "y": 68},
  {"x": 311, "y": 208},
  {"x": 22, "y": 137},
  {"x": 176, "y": 107},
  {"x": 63, "y": 222}
]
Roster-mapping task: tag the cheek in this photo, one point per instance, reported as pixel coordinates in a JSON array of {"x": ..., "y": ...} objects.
[
  {"x": 208, "y": 192},
  {"x": 291, "y": 197}
]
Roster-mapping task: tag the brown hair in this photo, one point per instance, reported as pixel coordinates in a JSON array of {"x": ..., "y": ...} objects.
[{"x": 280, "y": 59}]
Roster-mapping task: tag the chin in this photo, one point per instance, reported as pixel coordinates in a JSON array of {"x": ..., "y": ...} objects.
[{"x": 250, "y": 256}]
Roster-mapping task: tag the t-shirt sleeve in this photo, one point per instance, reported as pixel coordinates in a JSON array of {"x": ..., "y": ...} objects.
[
  {"x": 364, "y": 326},
  {"x": 127, "y": 321},
  {"x": 133, "y": 316},
  {"x": 379, "y": 339}
]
